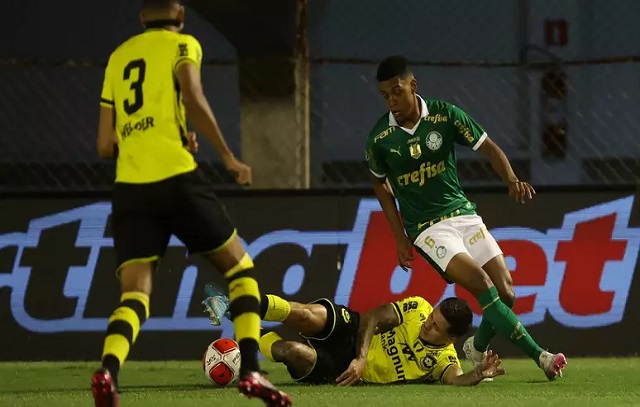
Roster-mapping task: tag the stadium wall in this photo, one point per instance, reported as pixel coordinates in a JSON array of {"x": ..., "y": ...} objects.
[
  {"x": 573, "y": 254},
  {"x": 470, "y": 53}
]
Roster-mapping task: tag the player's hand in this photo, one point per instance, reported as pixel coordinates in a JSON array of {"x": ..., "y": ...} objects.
[
  {"x": 192, "y": 138},
  {"x": 240, "y": 170},
  {"x": 353, "y": 373},
  {"x": 520, "y": 190},
  {"x": 491, "y": 366},
  {"x": 404, "y": 248}
]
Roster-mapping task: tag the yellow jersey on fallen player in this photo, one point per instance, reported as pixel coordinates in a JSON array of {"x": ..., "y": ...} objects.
[
  {"x": 150, "y": 120},
  {"x": 399, "y": 355}
]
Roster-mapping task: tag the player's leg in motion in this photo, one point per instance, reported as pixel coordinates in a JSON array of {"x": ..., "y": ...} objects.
[
  {"x": 123, "y": 329},
  {"x": 307, "y": 319},
  {"x": 463, "y": 270},
  {"x": 498, "y": 272},
  {"x": 139, "y": 239},
  {"x": 244, "y": 299}
]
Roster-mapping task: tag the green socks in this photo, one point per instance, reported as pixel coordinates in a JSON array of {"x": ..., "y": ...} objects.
[
  {"x": 506, "y": 323},
  {"x": 485, "y": 333}
]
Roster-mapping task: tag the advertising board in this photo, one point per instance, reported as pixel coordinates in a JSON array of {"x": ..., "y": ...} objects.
[{"x": 573, "y": 257}]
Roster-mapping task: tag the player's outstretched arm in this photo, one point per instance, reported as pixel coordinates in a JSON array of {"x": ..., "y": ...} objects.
[
  {"x": 388, "y": 204},
  {"x": 201, "y": 115},
  {"x": 378, "y": 320},
  {"x": 519, "y": 190},
  {"x": 491, "y": 367}
]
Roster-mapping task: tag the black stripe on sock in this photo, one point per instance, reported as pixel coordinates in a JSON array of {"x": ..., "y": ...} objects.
[
  {"x": 137, "y": 307},
  {"x": 264, "y": 305},
  {"x": 249, "y": 351},
  {"x": 112, "y": 364},
  {"x": 122, "y": 328},
  {"x": 244, "y": 304},
  {"x": 241, "y": 274}
]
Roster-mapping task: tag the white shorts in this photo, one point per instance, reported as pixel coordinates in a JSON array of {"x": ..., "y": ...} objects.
[{"x": 459, "y": 234}]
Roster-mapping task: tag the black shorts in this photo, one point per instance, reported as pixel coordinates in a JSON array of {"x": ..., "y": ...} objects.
[
  {"x": 335, "y": 346},
  {"x": 144, "y": 216}
]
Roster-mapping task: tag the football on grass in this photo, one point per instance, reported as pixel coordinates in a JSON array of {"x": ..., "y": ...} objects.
[{"x": 221, "y": 361}]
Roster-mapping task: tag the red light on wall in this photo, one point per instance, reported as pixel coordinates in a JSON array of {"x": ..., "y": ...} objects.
[{"x": 556, "y": 33}]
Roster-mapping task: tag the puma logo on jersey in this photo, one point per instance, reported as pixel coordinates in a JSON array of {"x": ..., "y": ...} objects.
[{"x": 393, "y": 150}]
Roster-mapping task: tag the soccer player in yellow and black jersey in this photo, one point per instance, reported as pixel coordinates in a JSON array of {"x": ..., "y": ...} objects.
[
  {"x": 152, "y": 83},
  {"x": 407, "y": 341}
]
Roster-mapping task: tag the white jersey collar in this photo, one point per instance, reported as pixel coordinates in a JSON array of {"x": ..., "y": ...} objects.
[{"x": 423, "y": 112}]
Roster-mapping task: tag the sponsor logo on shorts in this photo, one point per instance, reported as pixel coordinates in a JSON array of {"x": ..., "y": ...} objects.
[
  {"x": 478, "y": 236},
  {"x": 346, "y": 316}
]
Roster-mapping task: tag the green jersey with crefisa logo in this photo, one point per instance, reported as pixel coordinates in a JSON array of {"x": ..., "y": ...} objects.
[{"x": 420, "y": 163}]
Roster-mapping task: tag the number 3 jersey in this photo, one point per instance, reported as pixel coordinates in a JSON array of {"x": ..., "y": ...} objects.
[
  {"x": 399, "y": 355},
  {"x": 140, "y": 86}
]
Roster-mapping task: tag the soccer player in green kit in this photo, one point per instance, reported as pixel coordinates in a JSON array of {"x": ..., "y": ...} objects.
[{"x": 411, "y": 148}]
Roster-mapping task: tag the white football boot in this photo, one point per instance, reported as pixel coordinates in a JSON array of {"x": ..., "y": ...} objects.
[{"x": 474, "y": 355}]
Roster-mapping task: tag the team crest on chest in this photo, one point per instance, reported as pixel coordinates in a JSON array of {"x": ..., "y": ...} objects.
[
  {"x": 428, "y": 362},
  {"x": 415, "y": 150},
  {"x": 434, "y": 141}
]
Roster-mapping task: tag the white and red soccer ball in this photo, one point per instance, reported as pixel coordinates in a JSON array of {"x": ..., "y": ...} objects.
[{"x": 221, "y": 361}]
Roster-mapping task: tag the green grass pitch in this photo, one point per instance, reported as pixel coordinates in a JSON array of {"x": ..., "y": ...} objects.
[{"x": 587, "y": 382}]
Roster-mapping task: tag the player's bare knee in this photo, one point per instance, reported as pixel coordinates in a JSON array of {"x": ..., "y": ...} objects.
[
  {"x": 308, "y": 319},
  {"x": 483, "y": 283},
  {"x": 479, "y": 282},
  {"x": 298, "y": 315},
  {"x": 298, "y": 358},
  {"x": 298, "y": 354},
  {"x": 136, "y": 276},
  {"x": 498, "y": 272},
  {"x": 306, "y": 316},
  {"x": 506, "y": 292}
]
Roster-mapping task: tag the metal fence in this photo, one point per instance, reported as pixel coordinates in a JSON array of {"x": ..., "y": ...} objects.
[{"x": 556, "y": 84}]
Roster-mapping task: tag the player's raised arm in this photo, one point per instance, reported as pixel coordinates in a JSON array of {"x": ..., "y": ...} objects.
[
  {"x": 187, "y": 71},
  {"x": 378, "y": 320}
]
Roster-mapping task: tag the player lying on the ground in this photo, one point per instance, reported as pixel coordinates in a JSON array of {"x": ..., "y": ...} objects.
[
  {"x": 403, "y": 341},
  {"x": 411, "y": 148}
]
